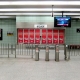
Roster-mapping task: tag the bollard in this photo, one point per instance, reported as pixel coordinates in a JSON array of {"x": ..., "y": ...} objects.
[
  {"x": 36, "y": 53},
  {"x": 57, "y": 53},
  {"x": 71, "y": 50},
  {"x": 47, "y": 53},
  {"x": 65, "y": 52},
  {"x": 74, "y": 50},
  {"x": 8, "y": 50},
  {"x": 11, "y": 49},
  {"x": 1, "y": 48},
  {"x": 69, "y": 53},
  {"x": 32, "y": 50},
  {"x": 15, "y": 50},
  {"x": 67, "y": 57},
  {"x": 29, "y": 49}
]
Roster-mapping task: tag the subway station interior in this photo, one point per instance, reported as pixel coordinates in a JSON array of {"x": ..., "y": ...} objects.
[{"x": 39, "y": 40}]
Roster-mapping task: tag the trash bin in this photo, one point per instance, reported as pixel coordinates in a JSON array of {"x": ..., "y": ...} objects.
[
  {"x": 36, "y": 53},
  {"x": 47, "y": 53}
]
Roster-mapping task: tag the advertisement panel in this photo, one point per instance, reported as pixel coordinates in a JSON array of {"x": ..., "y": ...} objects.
[
  {"x": 26, "y": 36},
  {"x": 61, "y": 36},
  {"x": 55, "y": 37},
  {"x": 31, "y": 36},
  {"x": 49, "y": 34},
  {"x": 44, "y": 36},
  {"x": 20, "y": 35},
  {"x": 37, "y": 36}
]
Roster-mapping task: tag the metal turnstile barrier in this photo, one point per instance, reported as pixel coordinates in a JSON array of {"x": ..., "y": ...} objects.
[
  {"x": 66, "y": 52},
  {"x": 36, "y": 53},
  {"x": 56, "y": 52},
  {"x": 47, "y": 53}
]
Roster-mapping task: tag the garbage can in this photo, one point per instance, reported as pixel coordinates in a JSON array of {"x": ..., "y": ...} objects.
[
  {"x": 36, "y": 53},
  {"x": 56, "y": 52},
  {"x": 47, "y": 53}
]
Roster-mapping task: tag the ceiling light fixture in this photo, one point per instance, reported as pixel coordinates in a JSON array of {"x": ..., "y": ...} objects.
[
  {"x": 40, "y": 9},
  {"x": 39, "y": 2}
]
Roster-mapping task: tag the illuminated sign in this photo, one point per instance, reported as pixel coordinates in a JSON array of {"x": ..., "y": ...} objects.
[{"x": 40, "y": 26}]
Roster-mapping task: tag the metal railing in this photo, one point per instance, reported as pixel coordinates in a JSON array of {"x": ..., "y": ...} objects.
[
  {"x": 74, "y": 50},
  {"x": 8, "y": 50},
  {"x": 18, "y": 50}
]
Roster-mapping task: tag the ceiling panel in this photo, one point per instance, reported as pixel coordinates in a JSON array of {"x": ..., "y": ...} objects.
[
  {"x": 39, "y": 0},
  {"x": 37, "y": 6}
]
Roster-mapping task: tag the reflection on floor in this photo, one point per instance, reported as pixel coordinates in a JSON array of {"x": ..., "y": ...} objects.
[{"x": 29, "y": 69}]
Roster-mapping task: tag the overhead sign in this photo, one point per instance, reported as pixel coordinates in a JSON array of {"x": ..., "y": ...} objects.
[{"x": 40, "y": 26}]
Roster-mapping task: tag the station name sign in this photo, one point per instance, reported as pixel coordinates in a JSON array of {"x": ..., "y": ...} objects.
[{"x": 40, "y": 26}]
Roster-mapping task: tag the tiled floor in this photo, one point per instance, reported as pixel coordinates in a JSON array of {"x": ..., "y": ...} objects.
[{"x": 29, "y": 69}]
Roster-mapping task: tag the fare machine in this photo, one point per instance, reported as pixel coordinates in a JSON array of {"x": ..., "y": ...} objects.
[
  {"x": 56, "y": 52},
  {"x": 47, "y": 53},
  {"x": 36, "y": 53}
]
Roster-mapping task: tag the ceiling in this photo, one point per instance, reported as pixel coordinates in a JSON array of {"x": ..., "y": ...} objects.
[{"x": 38, "y": 7}]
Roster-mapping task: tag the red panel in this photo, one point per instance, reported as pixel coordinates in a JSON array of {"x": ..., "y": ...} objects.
[
  {"x": 49, "y": 40},
  {"x": 61, "y": 36},
  {"x": 26, "y": 37},
  {"x": 37, "y": 36},
  {"x": 44, "y": 36},
  {"x": 55, "y": 37},
  {"x": 20, "y": 35},
  {"x": 31, "y": 33}
]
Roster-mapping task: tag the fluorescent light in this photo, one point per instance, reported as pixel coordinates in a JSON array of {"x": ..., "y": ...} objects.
[
  {"x": 39, "y": 2},
  {"x": 56, "y": 14},
  {"x": 76, "y": 16},
  {"x": 7, "y": 16},
  {"x": 41, "y": 9}
]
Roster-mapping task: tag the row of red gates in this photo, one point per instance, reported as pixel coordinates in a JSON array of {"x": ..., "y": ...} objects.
[{"x": 43, "y": 36}]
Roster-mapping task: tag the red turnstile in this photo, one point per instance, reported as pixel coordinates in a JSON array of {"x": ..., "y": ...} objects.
[
  {"x": 61, "y": 36},
  {"x": 20, "y": 35},
  {"x": 49, "y": 36},
  {"x": 44, "y": 36},
  {"x": 37, "y": 36},
  {"x": 31, "y": 36},
  {"x": 55, "y": 37},
  {"x": 26, "y": 36}
]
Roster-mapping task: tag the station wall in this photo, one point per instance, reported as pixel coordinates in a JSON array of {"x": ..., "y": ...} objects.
[
  {"x": 72, "y": 37},
  {"x": 8, "y": 25}
]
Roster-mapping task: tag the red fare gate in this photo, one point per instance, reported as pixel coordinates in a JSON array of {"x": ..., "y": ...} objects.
[
  {"x": 49, "y": 36},
  {"x": 20, "y": 35},
  {"x": 31, "y": 36},
  {"x": 26, "y": 36},
  {"x": 55, "y": 37},
  {"x": 61, "y": 36},
  {"x": 37, "y": 36},
  {"x": 44, "y": 36}
]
